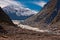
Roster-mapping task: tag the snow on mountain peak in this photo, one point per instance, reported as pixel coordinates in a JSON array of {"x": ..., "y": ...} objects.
[
  {"x": 20, "y": 11},
  {"x": 16, "y": 9}
]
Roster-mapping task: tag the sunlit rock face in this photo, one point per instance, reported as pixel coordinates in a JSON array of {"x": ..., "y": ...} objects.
[{"x": 46, "y": 16}]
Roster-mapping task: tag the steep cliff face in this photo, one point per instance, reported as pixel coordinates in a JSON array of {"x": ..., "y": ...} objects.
[
  {"x": 57, "y": 18},
  {"x": 48, "y": 15}
]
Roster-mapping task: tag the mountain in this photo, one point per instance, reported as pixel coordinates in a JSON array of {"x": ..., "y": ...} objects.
[
  {"x": 12, "y": 32},
  {"x": 48, "y": 15},
  {"x": 8, "y": 31},
  {"x": 18, "y": 13}
]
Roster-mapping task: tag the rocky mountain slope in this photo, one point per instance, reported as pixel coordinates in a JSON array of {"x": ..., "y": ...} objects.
[
  {"x": 5, "y": 22},
  {"x": 48, "y": 15},
  {"x": 4, "y": 18}
]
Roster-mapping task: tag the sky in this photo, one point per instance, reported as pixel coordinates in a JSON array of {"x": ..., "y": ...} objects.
[{"x": 35, "y": 5}]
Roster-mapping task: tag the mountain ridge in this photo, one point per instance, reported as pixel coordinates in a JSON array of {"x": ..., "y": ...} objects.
[
  {"x": 18, "y": 13},
  {"x": 46, "y": 16}
]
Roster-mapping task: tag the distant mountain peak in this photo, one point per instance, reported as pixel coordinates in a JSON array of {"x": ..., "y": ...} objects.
[{"x": 18, "y": 13}]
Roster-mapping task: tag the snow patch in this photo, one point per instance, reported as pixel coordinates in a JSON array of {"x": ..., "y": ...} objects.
[
  {"x": 32, "y": 28},
  {"x": 28, "y": 27}
]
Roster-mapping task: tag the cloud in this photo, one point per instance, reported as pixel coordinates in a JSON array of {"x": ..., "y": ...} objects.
[
  {"x": 41, "y": 3},
  {"x": 26, "y": 12},
  {"x": 17, "y": 5},
  {"x": 4, "y": 3}
]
